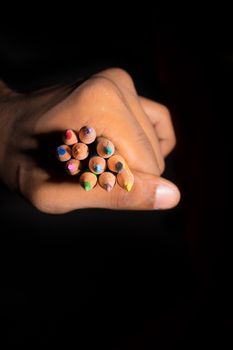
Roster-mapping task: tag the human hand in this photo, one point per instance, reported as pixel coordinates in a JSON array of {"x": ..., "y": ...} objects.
[{"x": 140, "y": 129}]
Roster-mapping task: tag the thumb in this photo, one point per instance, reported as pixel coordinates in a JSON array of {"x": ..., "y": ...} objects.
[{"x": 148, "y": 192}]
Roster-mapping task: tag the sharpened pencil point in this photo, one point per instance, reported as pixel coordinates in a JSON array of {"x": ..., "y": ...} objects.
[
  {"x": 108, "y": 150},
  {"x": 88, "y": 130},
  {"x": 87, "y": 186},
  {"x": 108, "y": 187},
  {"x": 61, "y": 151},
  {"x": 119, "y": 166},
  {"x": 97, "y": 168},
  {"x": 87, "y": 134},
  {"x": 70, "y": 137},
  {"x": 69, "y": 134},
  {"x": 128, "y": 187}
]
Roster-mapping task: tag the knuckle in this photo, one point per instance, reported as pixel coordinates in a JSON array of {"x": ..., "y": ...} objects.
[
  {"x": 173, "y": 141},
  {"x": 96, "y": 91},
  {"x": 123, "y": 75},
  {"x": 170, "y": 145},
  {"x": 165, "y": 111}
]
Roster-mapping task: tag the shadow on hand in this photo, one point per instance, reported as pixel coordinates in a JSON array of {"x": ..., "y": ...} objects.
[{"x": 44, "y": 156}]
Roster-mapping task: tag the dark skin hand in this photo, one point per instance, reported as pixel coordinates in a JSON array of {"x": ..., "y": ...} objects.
[{"x": 141, "y": 130}]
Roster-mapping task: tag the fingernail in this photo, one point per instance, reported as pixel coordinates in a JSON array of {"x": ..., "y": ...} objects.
[{"x": 166, "y": 197}]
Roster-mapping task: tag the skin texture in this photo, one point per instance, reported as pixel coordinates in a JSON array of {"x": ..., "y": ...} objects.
[{"x": 140, "y": 129}]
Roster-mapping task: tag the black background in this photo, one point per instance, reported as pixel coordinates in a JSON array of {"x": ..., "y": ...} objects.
[{"x": 159, "y": 279}]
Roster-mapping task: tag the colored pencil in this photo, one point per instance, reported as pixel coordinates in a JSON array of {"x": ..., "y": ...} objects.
[
  {"x": 70, "y": 137},
  {"x": 87, "y": 134},
  {"x": 80, "y": 151},
  {"x": 97, "y": 164},
  {"x": 125, "y": 179},
  {"x": 88, "y": 180},
  {"x": 107, "y": 180},
  {"x": 105, "y": 148},
  {"x": 63, "y": 153},
  {"x": 73, "y": 167},
  {"x": 116, "y": 163}
]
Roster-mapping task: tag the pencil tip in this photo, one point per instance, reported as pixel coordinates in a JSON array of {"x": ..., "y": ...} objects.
[
  {"x": 88, "y": 130},
  {"x": 87, "y": 186},
  {"x": 108, "y": 150},
  {"x": 69, "y": 134},
  {"x": 97, "y": 168},
  {"x": 119, "y": 166},
  {"x": 128, "y": 187},
  {"x": 107, "y": 187},
  {"x": 61, "y": 151}
]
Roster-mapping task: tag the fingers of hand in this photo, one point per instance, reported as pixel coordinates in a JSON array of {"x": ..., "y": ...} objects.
[
  {"x": 161, "y": 119},
  {"x": 126, "y": 85}
]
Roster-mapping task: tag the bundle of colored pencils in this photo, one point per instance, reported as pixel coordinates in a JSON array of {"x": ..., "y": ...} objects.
[{"x": 94, "y": 160}]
